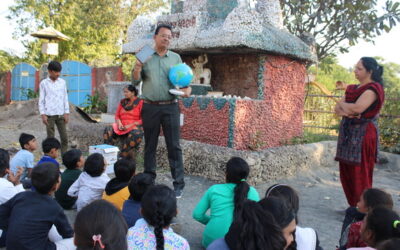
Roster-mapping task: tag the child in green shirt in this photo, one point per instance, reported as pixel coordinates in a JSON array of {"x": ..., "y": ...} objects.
[{"x": 224, "y": 201}]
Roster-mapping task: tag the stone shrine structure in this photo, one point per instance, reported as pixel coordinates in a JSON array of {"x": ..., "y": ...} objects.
[{"x": 255, "y": 62}]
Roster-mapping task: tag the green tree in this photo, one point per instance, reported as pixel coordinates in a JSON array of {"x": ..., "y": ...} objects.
[
  {"x": 8, "y": 60},
  {"x": 391, "y": 74},
  {"x": 335, "y": 72},
  {"x": 97, "y": 28},
  {"x": 337, "y": 25}
]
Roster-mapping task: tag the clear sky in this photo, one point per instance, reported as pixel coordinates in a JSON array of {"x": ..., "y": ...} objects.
[{"x": 386, "y": 45}]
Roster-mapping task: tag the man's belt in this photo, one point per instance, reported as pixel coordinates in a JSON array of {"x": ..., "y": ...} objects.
[{"x": 160, "y": 102}]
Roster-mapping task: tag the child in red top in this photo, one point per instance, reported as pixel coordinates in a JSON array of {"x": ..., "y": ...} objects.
[{"x": 370, "y": 199}]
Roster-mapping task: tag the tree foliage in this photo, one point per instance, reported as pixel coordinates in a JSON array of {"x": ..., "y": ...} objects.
[
  {"x": 97, "y": 28},
  {"x": 329, "y": 76},
  {"x": 8, "y": 60},
  {"x": 339, "y": 24}
]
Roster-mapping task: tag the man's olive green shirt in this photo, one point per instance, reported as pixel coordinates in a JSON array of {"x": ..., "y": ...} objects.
[{"x": 155, "y": 79}]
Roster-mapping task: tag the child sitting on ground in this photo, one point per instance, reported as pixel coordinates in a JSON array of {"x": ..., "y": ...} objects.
[
  {"x": 73, "y": 161},
  {"x": 306, "y": 238},
  {"x": 369, "y": 199},
  {"x": 116, "y": 190},
  {"x": 24, "y": 158},
  {"x": 154, "y": 231},
  {"x": 137, "y": 187},
  {"x": 91, "y": 183},
  {"x": 51, "y": 149},
  {"x": 224, "y": 201},
  {"x": 29, "y": 215},
  {"x": 284, "y": 217},
  {"x": 9, "y": 186},
  {"x": 379, "y": 224},
  {"x": 261, "y": 231},
  {"x": 100, "y": 225}
]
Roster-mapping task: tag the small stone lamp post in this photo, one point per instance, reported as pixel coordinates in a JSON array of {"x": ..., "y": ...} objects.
[{"x": 52, "y": 36}]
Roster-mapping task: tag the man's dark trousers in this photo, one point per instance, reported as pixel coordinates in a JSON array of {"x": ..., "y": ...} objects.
[{"x": 166, "y": 116}]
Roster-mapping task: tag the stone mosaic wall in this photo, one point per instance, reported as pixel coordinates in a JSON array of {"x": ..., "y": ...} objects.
[
  {"x": 206, "y": 120},
  {"x": 280, "y": 115},
  {"x": 248, "y": 123}
]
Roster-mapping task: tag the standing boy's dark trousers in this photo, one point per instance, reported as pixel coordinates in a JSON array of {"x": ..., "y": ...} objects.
[
  {"x": 166, "y": 116},
  {"x": 59, "y": 121}
]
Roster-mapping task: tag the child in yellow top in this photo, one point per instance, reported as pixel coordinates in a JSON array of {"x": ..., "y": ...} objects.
[{"x": 116, "y": 190}]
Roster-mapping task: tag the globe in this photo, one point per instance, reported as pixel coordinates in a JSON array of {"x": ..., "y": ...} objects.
[{"x": 180, "y": 75}]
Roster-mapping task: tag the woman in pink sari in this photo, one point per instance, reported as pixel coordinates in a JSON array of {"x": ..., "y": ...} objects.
[
  {"x": 128, "y": 123},
  {"x": 358, "y": 140}
]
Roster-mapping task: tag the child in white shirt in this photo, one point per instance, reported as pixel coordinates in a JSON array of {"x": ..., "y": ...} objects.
[{"x": 91, "y": 183}]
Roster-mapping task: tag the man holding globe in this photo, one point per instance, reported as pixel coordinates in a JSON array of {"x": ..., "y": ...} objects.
[{"x": 160, "y": 107}]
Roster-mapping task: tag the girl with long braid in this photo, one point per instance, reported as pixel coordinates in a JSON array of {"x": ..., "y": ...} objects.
[
  {"x": 153, "y": 231},
  {"x": 225, "y": 201}
]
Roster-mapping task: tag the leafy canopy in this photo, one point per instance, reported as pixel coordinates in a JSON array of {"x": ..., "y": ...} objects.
[{"x": 338, "y": 24}]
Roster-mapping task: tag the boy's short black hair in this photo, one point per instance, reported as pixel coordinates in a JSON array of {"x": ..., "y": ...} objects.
[
  {"x": 162, "y": 25},
  {"x": 94, "y": 165},
  {"x": 4, "y": 161},
  {"x": 25, "y": 139},
  {"x": 44, "y": 176},
  {"x": 54, "y": 66},
  {"x": 124, "y": 169},
  {"x": 139, "y": 185},
  {"x": 49, "y": 143},
  {"x": 71, "y": 158}
]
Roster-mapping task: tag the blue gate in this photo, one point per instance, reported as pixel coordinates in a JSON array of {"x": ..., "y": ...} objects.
[
  {"x": 22, "y": 79},
  {"x": 79, "y": 81}
]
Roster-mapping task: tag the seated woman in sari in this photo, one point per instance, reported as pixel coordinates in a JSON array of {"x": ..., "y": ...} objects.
[{"x": 127, "y": 129}]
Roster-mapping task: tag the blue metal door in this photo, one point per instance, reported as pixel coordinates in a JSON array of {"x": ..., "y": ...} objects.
[
  {"x": 78, "y": 77},
  {"x": 22, "y": 79}
]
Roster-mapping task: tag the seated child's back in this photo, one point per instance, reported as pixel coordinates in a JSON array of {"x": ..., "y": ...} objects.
[
  {"x": 73, "y": 161},
  {"x": 91, "y": 183},
  {"x": 24, "y": 158},
  {"x": 29, "y": 215},
  {"x": 116, "y": 190},
  {"x": 224, "y": 201},
  {"x": 137, "y": 187}
]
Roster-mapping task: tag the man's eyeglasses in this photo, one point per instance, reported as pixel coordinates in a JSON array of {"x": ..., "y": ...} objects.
[{"x": 166, "y": 36}]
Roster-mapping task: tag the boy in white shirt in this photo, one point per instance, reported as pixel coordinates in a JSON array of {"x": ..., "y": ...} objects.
[
  {"x": 53, "y": 104},
  {"x": 91, "y": 183}
]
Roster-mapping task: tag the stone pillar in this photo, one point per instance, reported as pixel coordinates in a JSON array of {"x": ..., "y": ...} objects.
[{"x": 115, "y": 92}]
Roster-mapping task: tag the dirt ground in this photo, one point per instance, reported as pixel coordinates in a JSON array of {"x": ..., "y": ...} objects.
[{"x": 321, "y": 196}]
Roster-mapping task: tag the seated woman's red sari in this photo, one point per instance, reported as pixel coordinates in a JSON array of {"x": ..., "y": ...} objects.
[
  {"x": 129, "y": 113},
  {"x": 358, "y": 140}
]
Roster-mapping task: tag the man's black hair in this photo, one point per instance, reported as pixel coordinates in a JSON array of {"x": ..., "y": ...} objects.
[
  {"x": 162, "y": 25},
  {"x": 54, "y": 66}
]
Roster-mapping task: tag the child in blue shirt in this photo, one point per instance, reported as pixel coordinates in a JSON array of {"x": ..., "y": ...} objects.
[
  {"x": 51, "y": 149},
  {"x": 24, "y": 158},
  {"x": 137, "y": 187}
]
